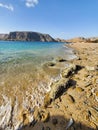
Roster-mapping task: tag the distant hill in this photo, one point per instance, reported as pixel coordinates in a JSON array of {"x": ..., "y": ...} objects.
[
  {"x": 27, "y": 36},
  {"x": 79, "y": 39},
  {"x": 3, "y": 36}
]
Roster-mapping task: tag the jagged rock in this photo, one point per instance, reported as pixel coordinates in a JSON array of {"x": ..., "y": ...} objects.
[
  {"x": 69, "y": 71},
  {"x": 58, "y": 87}
]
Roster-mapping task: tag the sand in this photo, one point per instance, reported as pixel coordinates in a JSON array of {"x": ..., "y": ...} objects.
[{"x": 79, "y": 103}]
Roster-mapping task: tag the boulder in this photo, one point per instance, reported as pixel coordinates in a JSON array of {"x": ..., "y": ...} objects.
[
  {"x": 58, "y": 87},
  {"x": 69, "y": 71}
]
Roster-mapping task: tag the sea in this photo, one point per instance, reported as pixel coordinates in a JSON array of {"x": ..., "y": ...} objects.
[{"x": 26, "y": 71}]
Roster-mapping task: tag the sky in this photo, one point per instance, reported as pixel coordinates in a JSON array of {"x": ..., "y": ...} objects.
[{"x": 59, "y": 18}]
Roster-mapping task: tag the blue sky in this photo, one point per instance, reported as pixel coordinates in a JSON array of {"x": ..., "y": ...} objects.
[{"x": 59, "y": 18}]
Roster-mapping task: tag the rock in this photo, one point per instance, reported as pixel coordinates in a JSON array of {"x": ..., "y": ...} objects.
[
  {"x": 87, "y": 84},
  {"x": 56, "y": 106},
  {"x": 54, "y": 121},
  {"x": 69, "y": 99},
  {"x": 60, "y": 59},
  {"x": 96, "y": 81},
  {"x": 70, "y": 123},
  {"x": 58, "y": 87},
  {"x": 47, "y": 100},
  {"x": 50, "y": 64},
  {"x": 72, "y": 69},
  {"x": 94, "y": 115},
  {"x": 78, "y": 58},
  {"x": 68, "y": 71},
  {"x": 79, "y": 89},
  {"x": 90, "y": 68},
  {"x": 41, "y": 115}
]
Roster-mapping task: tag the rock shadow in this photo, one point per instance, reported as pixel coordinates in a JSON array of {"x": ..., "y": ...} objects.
[{"x": 57, "y": 123}]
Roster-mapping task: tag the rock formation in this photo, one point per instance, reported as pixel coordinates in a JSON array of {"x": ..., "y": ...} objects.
[{"x": 27, "y": 36}]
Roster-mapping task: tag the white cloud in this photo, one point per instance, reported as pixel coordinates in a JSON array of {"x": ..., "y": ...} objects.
[
  {"x": 9, "y": 7},
  {"x": 31, "y": 3}
]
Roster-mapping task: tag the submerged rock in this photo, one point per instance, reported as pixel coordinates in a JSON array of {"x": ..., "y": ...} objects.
[{"x": 60, "y": 59}]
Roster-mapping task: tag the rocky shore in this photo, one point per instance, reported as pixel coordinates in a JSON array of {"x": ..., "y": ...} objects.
[{"x": 72, "y": 101}]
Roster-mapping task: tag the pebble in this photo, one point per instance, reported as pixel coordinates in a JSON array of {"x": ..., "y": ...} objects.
[
  {"x": 90, "y": 68},
  {"x": 69, "y": 99},
  {"x": 56, "y": 106},
  {"x": 79, "y": 89},
  {"x": 87, "y": 84},
  {"x": 96, "y": 81}
]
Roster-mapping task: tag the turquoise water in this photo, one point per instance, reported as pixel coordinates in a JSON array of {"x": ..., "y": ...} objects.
[
  {"x": 10, "y": 50},
  {"x": 13, "y": 54}
]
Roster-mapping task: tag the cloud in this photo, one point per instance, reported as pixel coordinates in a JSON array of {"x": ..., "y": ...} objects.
[
  {"x": 31, "y": 3},
  {"x": 9, "y": 7}
]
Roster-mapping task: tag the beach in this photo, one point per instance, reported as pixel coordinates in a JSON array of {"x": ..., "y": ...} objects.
[
  {"x": 71, "y": 100},
  {"x": 77, "y": 107}
]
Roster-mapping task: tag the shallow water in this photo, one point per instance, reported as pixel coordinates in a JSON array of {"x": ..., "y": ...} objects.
[{"x": 24, "y": 79}]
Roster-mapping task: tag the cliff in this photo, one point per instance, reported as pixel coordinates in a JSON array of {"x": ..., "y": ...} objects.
[{"x": 27, "y": 36}]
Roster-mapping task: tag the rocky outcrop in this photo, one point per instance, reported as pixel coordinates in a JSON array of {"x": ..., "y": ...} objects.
[{"x": 28, "y": 36}]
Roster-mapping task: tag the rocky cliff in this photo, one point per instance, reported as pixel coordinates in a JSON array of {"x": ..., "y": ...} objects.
[{"x": 27, "y": 36}]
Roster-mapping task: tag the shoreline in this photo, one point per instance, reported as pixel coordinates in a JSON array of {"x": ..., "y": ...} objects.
[
  {"x": 69, "y": 108},
  {"x": 77, "y": 107}
]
